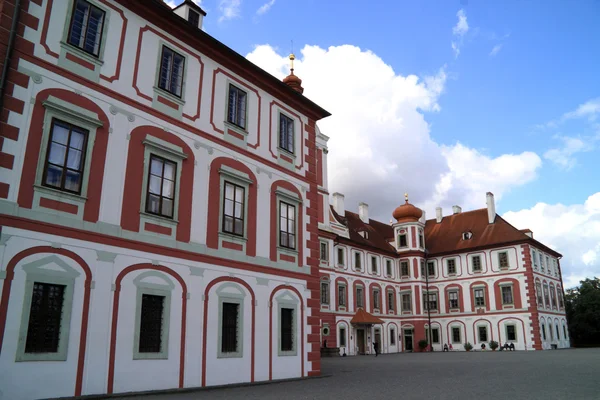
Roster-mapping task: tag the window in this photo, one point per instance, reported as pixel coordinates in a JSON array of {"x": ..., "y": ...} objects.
[
  {"x": 359, "y": 297},
  {"x": 467, "y": 235},
  {"x": 193, "y": 18},
  {"x": 435, "y": 335},
  {"x": 538, "y": 290},
  {"x": 479, "y": 297},
  {"x": 373, "y": 264},
  {"x": 546, "y": 296},
  {"x": 456, "y": 334},
  {"x": 287, "y": 329},
  {"x": 422, "y": 268},
  {"x": 557, "y": 332},
  {"x": 544, "y": 331},
  {"x": 342, "y": 337},
  {"x": 151, "y": 323},
  {"x": 511, "y": 332},
  {"x": 286, "y": 133},
  {"x": 564, "y": 332},
  {"x": 376, "y": 304},
  {"x": 476, "y": 263},
  {"x": 453, "y": 299},
  {"x": 482, "y": 333},
  {"x": 229, "y": 328},
  {"x": 44, "y": 327},
  {"x": 431, "y": 268},
  {"x": 325, "y": 293},
  {"x": 324, "y": 252},
  {"x": 404, "y": 268},
  {"x": 550, "y": 331},
  {"x": 340, "y": 253},
  {"x": 161, "y": 187},
  {"x": 541, "y": 261},
  {"x": 341, "y": 296},
  {"x": 548, "y": 264},
  {"x": 388, "y": 267},
  {"x": 503, "y": 259},
  {"x": 86, "y": 27},
  {"x": 236, "y": 106},
  {"x": 406, "y": 306},
  {"x": 392, "y": 337},
  {"x": 507, "y": 295},
  {"x": 535, "y": 260},
  {"x": 357, "y": 265},
  {"x": 287, "y": 225},
  {"x": 432, "y": 303},
  {"x": 402, "y": 240},
  {"x": 553, "y": 296},
  {"x": 390, "y": 301},
  {"x": 65, "y": 157},
  {"x": 171, "y": 71},
  {"x": 451, "y": 264},
  {"x": 233, "y": 209},
  {"x": 561, "y": 302},
  {"x": 421, "y": 239},
  {"x": 555, "y": 267}
]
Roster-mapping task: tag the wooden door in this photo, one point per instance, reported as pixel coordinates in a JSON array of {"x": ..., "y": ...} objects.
[
  {"x": 408, "y": 340},
  {"x": 360, "y": 341}
]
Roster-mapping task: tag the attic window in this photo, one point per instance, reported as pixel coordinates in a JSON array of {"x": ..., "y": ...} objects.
[
  {"x": 193, "y": 18},
  {"x": 364, "y": 234},
  {"x": 467, "y": 235}
]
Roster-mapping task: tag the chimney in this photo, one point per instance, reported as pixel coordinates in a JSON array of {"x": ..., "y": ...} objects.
[
  {"x": 423, "y": 218},
  {"x": 438, "y": 214},
  {"x": 456, "y": 210},
  {"x": 528, "y": 232},
  {"x": 338, "y": 204},
  {"x": 189, "y": 11},
  {"x": 491, "y": 207},
  {"x": 363, "y": 212}
]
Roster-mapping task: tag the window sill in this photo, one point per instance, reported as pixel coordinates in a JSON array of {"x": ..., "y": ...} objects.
[
  {"x": 236, "y": 128},
  {"x": 230, "y": 355},
  {"x": 477, "y": 272},
  {"x": 59, "y": 194},
  {"x": 341, "y": 308},
  {"x": 170, "y": 96},
  {"x": 287, "y": 353},
  {"x": 158, "y": 218},
  {"x": 232, "y": 237},
  {"x": 150, "y": 356},
  {"x": 287, "y": 250},
  {"x": 81, "y": 53},
  {"x": 405, "y": 277},
  {"x": 504, "y": 268},
  {"x": 286, "y": 153}
]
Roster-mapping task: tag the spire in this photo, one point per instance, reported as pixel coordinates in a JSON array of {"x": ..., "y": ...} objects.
[
  {"x": 406, "y": 198},
  {"x": 292, "y": 80}
]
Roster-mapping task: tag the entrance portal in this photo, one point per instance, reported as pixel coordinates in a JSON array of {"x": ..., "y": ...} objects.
[
  {"x": 408, "y": 339},
  {"x": 360, "y": 340},
  {"x": 378, "y": 340}
]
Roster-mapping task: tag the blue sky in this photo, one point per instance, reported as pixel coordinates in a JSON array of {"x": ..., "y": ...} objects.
[{"x": 518, "y": 93}]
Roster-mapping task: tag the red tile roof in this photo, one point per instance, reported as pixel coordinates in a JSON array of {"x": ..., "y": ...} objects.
[
  {"x": 364, "y": 318},
  {"x": 444, "y": 237}
]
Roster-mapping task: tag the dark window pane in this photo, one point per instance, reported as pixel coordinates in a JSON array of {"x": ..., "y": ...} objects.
[
  {"x": 171, "y": 71},
  {"x": 45, "y": 314},
  {"x": 287, "y": 333},
  {"x": 511, "y": 333},
  {"x": 161, "y": 187},
  {"x": 229, "y": 328},
  {"x": 86, "y": 27},
  {"x": 236, "y": 109},
  {"x": 194, "y": 18},
  {"x": 151, "y": 323},
  {"x": 233, "y": 209}
]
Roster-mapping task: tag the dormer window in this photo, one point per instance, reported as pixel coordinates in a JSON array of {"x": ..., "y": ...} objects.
[
  {"x": 194, "y": 18},
  {"x": 364, "y": 234},
  {"x": 402, "y": 241},
  {"x": 467, "y": 235}
]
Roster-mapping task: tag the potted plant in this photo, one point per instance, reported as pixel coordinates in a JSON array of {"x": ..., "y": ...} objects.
[
  {"x": 493, "y": 345},
  {"x": 468, "y": 346},
  {"x": 422, "y": 344}
]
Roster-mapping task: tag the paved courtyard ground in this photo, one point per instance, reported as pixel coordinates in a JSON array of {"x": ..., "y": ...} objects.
[{"x": 559, "y": 374}]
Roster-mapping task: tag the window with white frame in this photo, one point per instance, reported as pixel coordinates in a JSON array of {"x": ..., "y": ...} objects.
[
  {"x": 376, "y": 299},
  {"x": 555, "y": 264},
  {"x": 325, "y": 292},
  {"x": 357, "y": 263},
  {"x": 392, "y": 337},
  {"x": 430, "y": 301},
  {"x": 286, "y": 133},
  {"x": 324, "y": 253},
  {"x": 287, "y": 225},
  {"x": 404, "y": 269},
  {"x": 549, "y": 265},
  {"x": 546, "y": 295},
  {"x": 402, "y": 240},
  {"x": 431, "y": 268},
  {"x": 422, "y": 268},
  {"x": 538, "y": 291},
  {"x": 170, "y": 77},
  {"x": 421, "y": 239},
  {"x": 541, "y": 261},
  {"x": 231, "y": 321},
  {"x": 373, "y": 264},
  {"x": 236, "y": 106},
  {"x": 233, "y": 208},
  {"x": 342, "y": 337},
  {"x": 507, "y": 294},
  {"x": 535, "y": 259},
  {"x": 341, "y": 261},
  {"x": 390, "y": 300},
  {"x": 544, "y": 331},
  {"x": 360, "y": 301},
  {"x": 479, "y": 296},
  {"x": 160, "y": 196},
  {"x": 341, "y": 295},
  {"x": 482, "y": 330},
  {"x": 230, "y": 327},
  {"x": 565, "y": 332},
  {"x": 557, "y": 332},
  {"x": 511, "y": 332},
  {"x": 550, "y": 331},
  {"x": 87, "y": 24},
  {"x": 561, "y": 302},
  {"x": 503, "y": 259},
  {"x": 451, "y": 265},
  {"x": 453, "y": 299},
  {"x": 388, "y": 268},
  {"x": 287, "y": 329},
  {"x": 456, "y": 335},
  {"x": 406, "y": 303},
  {"x": 476, "y": 261},
  {"x": 553, "y": 296}
]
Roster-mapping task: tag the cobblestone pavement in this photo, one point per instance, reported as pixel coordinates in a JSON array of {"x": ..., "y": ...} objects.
[{"x": 559, "y": 374}]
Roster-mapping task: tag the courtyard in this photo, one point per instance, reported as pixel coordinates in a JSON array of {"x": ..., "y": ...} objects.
[{"x": 561, "y": 374}]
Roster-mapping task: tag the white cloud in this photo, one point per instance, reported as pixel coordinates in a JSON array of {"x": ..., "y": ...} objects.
[
  {"x": 571, "y": 230},
  {"x": 590, "y": 109},
  {"x": 380, "y": 145},
  {"x": 563, "y": 156},
  {"x": 230, "y": 9},
  {"x": 459, "y": 31},
  {"x": 496, "y": 50},
  {"x": 265, "y": 7}
]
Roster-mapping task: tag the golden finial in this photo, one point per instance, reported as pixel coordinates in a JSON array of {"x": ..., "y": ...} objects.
[
  {"x": 292, "y": 58},
  {"x": 406, "y": 197}
]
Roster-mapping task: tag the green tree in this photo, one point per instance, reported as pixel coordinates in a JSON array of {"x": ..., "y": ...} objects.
[{"x": 583, "y": 313}]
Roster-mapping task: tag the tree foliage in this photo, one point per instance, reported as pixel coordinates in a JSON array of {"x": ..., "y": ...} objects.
[{"x": 583, "y": 313}]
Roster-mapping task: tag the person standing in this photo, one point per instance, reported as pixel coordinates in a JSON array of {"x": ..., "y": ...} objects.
[{"x": 376, "y": 348}]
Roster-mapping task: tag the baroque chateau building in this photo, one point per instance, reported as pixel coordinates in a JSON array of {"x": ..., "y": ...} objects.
[{"x": 165, "y": 221}]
